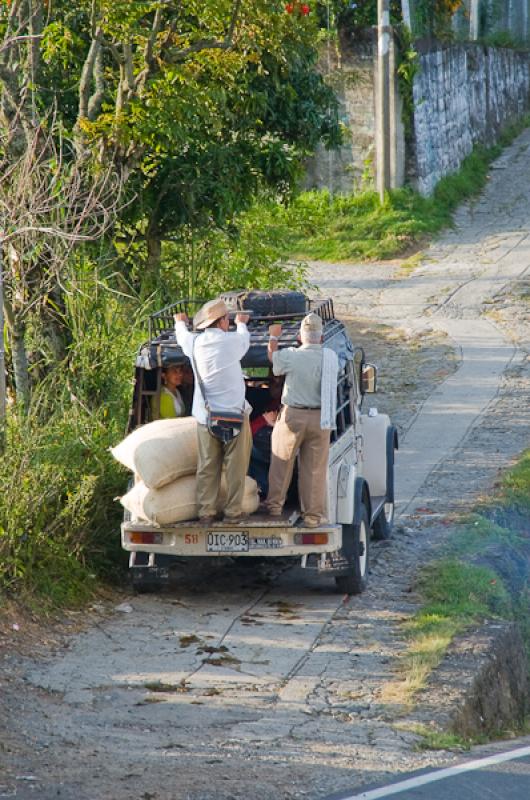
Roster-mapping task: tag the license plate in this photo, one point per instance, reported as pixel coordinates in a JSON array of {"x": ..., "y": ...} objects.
[
  {"x": 266, "y": 543},
  {"x": 227, "y": 542}
]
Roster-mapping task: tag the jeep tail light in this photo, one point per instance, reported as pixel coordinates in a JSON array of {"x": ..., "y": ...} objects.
[
  {"x": 146, "y": 538},
  {"x": 311, "y": 538}
]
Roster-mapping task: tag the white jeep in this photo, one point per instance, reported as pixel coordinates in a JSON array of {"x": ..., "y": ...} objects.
[{"x": 361, "y": 459}]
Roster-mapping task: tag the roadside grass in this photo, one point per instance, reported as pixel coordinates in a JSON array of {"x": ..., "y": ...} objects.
[
  {"x": 318, "y": 226},
  {"x": 457, "y": 593},
  {"x": 434, "y": 739},
  {"x": 357, "y": 226},
  {"x": 516, "y": 484},
  {"x": 441, "y": 740}
]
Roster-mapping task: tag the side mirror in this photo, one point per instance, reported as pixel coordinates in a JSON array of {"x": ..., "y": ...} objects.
[{"x": 368, "y": 379}]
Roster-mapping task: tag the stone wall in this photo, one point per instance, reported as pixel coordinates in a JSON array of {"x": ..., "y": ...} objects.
[{"x": 463, "y": 95}]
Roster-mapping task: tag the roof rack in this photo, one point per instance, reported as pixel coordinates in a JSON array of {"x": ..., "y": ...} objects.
[{"x": 162, "y": 321}]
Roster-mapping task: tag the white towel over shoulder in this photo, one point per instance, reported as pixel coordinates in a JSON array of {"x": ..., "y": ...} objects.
[{"x": 328, "y": 391}]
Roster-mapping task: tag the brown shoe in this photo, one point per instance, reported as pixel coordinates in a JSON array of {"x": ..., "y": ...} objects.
[
  {"x": 208, "y": 520},
  {"x": 236, "y": 518},
  {"x": 274, "y": 512}
]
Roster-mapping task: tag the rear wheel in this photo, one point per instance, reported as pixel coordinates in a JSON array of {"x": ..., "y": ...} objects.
[{"x": 355, "y": 547}]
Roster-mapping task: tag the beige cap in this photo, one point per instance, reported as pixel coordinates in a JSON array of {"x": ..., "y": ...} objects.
[
  {"x": 209, "y": 313},
  {"x": 311, "y": 323}
]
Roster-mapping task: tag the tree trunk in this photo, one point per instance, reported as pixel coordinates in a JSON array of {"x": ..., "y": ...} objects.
[
  {"x": 20, "y": 362},
  {"x": 3, "y": 401},
  {"x": 54, "y": 334},
  {"x": 154, "y": 251},
  {"x": 54, "y": 330}
]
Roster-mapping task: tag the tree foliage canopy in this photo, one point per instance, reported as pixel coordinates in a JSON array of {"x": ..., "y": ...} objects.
[
  {"x": 198, "y": 105},
  {"x": 201, "y": 102}
]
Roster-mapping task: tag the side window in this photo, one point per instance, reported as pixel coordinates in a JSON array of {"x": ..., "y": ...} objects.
[
  {"x": 356, "y": 366},
  {"x": 150, "y": 389},
  {"x": 343, "y": 403}
]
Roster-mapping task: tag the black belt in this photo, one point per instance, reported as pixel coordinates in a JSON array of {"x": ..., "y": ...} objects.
[{"x": 305, "y": 408}]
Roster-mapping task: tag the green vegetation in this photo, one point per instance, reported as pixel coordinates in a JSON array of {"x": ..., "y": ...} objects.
[
  {"x": 457, "y": 593},
  {"x": 58, "y": 518},
  {"x": 135, "y": 140},
  {"x": 346, "y": 227},
  {"x": 504, "y": 39},
  {"x": 456, "y": 596},
  {"x": 515, "y": 486},
  {"x": 407, "y": 68},
  {"x": 432, "y": 739},
  {"x": 359, "y": 227},
  {"x": 429, "y": 17},
  {"x": 441, "y": 740}
]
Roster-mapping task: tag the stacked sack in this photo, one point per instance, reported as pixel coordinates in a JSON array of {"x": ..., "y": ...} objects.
[{"x": 163, "y": 457}]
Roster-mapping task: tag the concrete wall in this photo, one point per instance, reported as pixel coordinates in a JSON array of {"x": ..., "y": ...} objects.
[
  {"x": 349, "y": 68},
  {"x": 463, "y": 95}
]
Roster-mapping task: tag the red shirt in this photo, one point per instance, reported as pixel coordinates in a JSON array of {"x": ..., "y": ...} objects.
[{"x": 257, "y": 424}]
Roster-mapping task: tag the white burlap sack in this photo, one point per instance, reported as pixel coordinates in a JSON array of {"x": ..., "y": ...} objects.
[
  {"x": 161, "y": 451},
  {"x": 177, "y": 501}
]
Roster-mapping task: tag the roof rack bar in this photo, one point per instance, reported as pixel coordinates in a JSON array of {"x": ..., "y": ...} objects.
[{"x": 162, "y": 321}]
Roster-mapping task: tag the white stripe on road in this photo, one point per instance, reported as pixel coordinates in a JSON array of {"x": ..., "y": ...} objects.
[{"x": 431, "y": 777}]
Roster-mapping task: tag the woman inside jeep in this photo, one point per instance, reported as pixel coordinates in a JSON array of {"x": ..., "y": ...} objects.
[{"x": 171, "y": 400}]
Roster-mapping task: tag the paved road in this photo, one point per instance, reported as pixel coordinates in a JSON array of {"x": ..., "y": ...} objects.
[
  {"x": 470, "y": 265},
  {"x": 504, "y": 775}
]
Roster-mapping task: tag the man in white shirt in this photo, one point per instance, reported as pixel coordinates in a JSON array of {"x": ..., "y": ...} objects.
[{"x": 216, "y": 355}]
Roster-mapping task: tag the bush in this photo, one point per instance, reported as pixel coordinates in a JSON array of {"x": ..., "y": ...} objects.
[
  {"x": 251, "y": 252},
  {"x": 59, "y": 524},
  {"x": 57, "y": 521}
]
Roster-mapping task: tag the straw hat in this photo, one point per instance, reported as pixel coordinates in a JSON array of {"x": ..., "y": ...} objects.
[
  {"x": 209, "y": 313},
  {"x": 311, "y": 323}
]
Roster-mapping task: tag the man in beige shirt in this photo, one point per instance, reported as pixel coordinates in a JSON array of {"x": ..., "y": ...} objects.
[{"x": 298, "y": 428}]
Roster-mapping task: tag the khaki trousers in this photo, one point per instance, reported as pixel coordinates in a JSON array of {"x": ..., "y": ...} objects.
[
  {"x": 298, "y": 430},
  {"x": 213, "y": 455}
]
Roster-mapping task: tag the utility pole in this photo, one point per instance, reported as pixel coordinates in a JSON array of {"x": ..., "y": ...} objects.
[
  {"x": 474, "y": 20},
  {"x": 405, "y": 11},
  {"x": 383, "y": 97}
]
